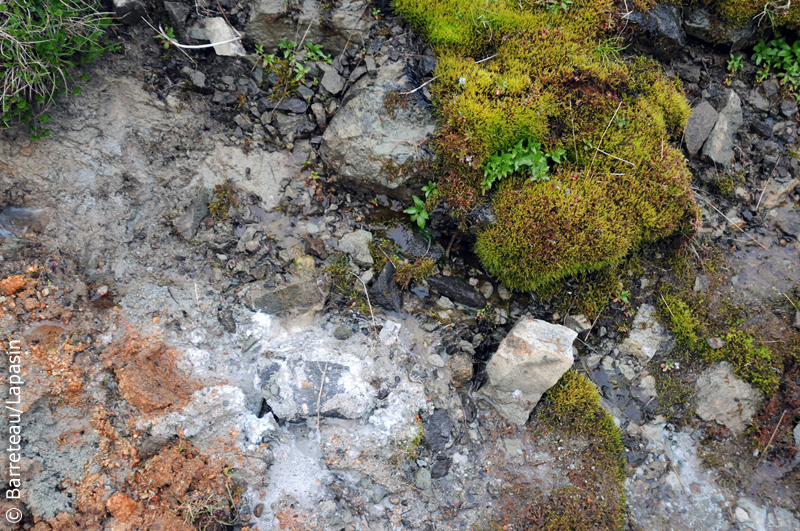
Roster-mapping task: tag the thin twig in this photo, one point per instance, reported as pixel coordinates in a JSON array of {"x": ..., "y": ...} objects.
[
  {"x": 615, "y": 157},
  {"x": 319, "y": 396},
  {"x": 574, "y": 142},
  {"x": 790, "y": 301},
  {"x": 196, "y": 298},
  {"x": 602, "y": 137},
  {"x": 770, "y": 439},
  {"x": 366, "y": 292},
  {"x": 667, "y": 305}
]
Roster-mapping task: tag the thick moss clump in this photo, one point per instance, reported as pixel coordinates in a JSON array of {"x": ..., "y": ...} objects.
[{"x": 554, "y": 78}]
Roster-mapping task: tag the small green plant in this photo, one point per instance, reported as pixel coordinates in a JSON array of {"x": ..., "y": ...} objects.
[
  {"x": 780, "y": 57},
  {"x": 376, "y": 13},
  {"x": 40, "y": 41},
  {"x": 430, "y": 189},
  {"x": 609, "y": 50},
  {"x": 735, "y": 63},
  {"x": 314, "y": 53},
  {"x": 419, "y": 213},
  {"x": 623, "y": 296},
  {"x": 554, "y": 6},
  {"x": 169, "y": 32},
  {"x": 525, "y": 154}
]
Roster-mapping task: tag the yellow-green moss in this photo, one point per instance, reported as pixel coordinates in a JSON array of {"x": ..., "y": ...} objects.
[
  {"x": 546, "y": 82},
  {"x": 751, "y": 361}
]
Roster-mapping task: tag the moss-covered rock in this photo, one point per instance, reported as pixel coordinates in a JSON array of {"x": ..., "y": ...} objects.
[{"x": 554, "y": 78}]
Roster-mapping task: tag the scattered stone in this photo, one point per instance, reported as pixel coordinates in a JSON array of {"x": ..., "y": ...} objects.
[
  {"x": 788, "y": 108},
  {"x": 319, "y": 115},
  {"x": 741, "y": 515},
  {"x": 713, "y": 30},
  {"x": 460, "y": 367},
  {"x": 225, "y": 318},
  {"x": 647, "y": 336},
  {"x": 528, "y": 362},
  {"x": 718, "y": 149},
  {"x": 436, "y": 360},
  {"x": 295, "y": 105},
  {"x": 699, "y": 126},
  {"x": 385, "y": 292},
  {"x": 197, "y": 78},
  {"x": 579, "y": 323},
  {"x": 315, "y": 247},
  {"x": 662, "y": 23},
  {"x": 458, "y": 290},
  {"x": 700, "y": 283},
  {"x": 503, "y": 292},
  {"x": 343, "y": 332},
  {"x": 356, "y": 244},
  {"x": 715, "y": 343},
  {"x": 757, "y": 100},
  {"x": 422, "y": 479},
  {"x": 437, "y": 430},
  {"x": 332, "y": 82},
  {"x": 389, "y": 333},
  {"x": 487, "y": 289},
  {"x": 444, "y": 302},
  {"x": 413, "y": 244},
  {"x": 725, "y": 399},
  {"x": 259, "y": 510},
  {"x": 129, "y": 11}
]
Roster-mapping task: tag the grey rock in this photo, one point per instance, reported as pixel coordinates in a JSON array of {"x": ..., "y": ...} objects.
[
  {"x": 528, "y": 362},
  {"x": 715, "y": 343},
  {"x": 700, "y": 283},
  {"x": 458, "y": 290},
  {"x": 461, "y": 369},
  {"x": 178, "y": 13},
  {"x": 796, "y": 434},
  {"x": 330, "y": 24},
  {"x": 699, "y": 126},
  {"x": 332, "y": 82},
  {"x": 384, "y": 292},
  {"x": 356, "y": 244},
  {"x": 701, "y": 24},
  {"x": 295, "y": 105},
  {"x": 647, "y": 336},
  {"x": 486, "y": 289},
  {"x": 438, "y": 428},
  {"x": 504, "y": 293},
  {"x": 319, "y": 114},
  {"x": 797, "y": 319},
  {"x": 412, "y": 244},
  {"x": 444, "y": 302},
  {"x": 197, "y": 78},
  {"x": 725, "y": 399},
  {"x": 427, "y": 64},
  {"x": 303, "y": 294},
  {"x": 343, "y": 332},
  {"x": 345, "y": 393},
  {"x": 218, "y": 30},
  {"x": 771, "y": 87},
  {"x": 663, "y": 24},
  {"x": 225, "y": 318},
  {"x": 372, "y": 67},
  {"x": 422, "y": 479},
  {"x": 367, "y": 147},
  {"x": 687, "y": 72},
  {"x": 187, "y": 223},
  {"x": 757, "y": 100},
  {"x": 356, "y": 74},
  {"x": 579, "y": 323},
  {"x": 129, "y": 11},
  {"x": 719, "y": 146},
  {"x": 788, "y": 108},
  {"x": 440, "y": 467}
]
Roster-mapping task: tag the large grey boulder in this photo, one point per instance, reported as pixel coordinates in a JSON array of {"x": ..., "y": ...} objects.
[
  {"x": 725, "y": 399},
  {"x": 528, "y": 362},
  {"x": 329, "y": 24},
  {"x": 719, "y": 146},
  {"x": 699, "y": 126},
  {"x": 368, "y": 147},
  {"x": 647, "y": 336}
]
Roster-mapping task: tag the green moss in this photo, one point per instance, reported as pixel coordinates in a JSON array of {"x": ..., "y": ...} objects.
[
  {"x": 751, "y": 361},
  {"x": 224, "y": 199},
  {"x": 547, "y": 83}
]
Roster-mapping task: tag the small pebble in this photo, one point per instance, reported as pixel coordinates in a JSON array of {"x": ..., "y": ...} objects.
[{"x": 259, "y": 510}]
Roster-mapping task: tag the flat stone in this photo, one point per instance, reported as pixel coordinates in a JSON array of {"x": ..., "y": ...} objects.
[
  {"x": 458, "y": 290},
  {"x": 332, "y": 82},
  {"x": 197, "y": 78},
  {"x": 699, "y": 126},
  {"x": 725, "y": 399},
  {"x": 788, "y": 108},
  {"x": 528, "y": 362},
  {"x": 356, "y": 244},
  {"x": 461, "y": 369},
  {"x": 741, "y": 515},
  {"x": 422, "y": 479},
  {"x": 301, "y": 295},
  {"x": 295, "y": 105},
  {"x": 758, "y": 100},
  {"x": 647, "y": 336}
]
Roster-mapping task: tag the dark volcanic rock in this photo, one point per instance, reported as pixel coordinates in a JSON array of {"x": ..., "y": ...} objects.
[
  {"x": 384, "y": 292},
  {"x": 458, "y": 290}
]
